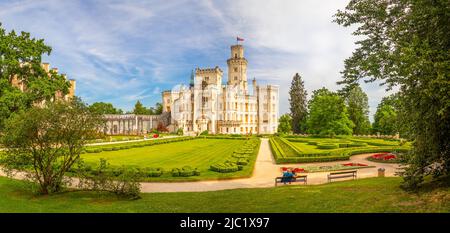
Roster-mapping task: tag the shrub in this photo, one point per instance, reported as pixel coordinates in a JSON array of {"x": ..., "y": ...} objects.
[
  {"x": 107, "y": 149},
  {"x": 175, "y": 172},
  {"x": 206, "y": 132},
  {"x": 327, "y": 146},
  {"x": 224, "y": 167}
]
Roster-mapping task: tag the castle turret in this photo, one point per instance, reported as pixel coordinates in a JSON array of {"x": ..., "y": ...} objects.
[{"x": 237, "y": 68}]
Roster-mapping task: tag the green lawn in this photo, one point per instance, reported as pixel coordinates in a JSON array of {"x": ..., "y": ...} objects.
[
  {"x": 365, "y": 195},
  {"x": 198, "y": 153}
]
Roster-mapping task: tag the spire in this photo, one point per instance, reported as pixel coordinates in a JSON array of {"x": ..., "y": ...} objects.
[{"x": 191, "y": 83}]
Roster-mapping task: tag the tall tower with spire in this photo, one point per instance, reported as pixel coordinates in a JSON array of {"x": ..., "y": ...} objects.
[{"x": 237, "y": 68}]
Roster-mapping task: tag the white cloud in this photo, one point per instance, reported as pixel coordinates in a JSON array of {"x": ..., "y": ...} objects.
[{"x": 116, "y": 49}]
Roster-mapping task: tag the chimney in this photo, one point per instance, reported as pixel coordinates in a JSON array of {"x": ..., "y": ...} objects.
[{"x": 254, "y": 86}]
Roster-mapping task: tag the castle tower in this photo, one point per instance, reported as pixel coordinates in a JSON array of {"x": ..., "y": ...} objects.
[{"x": 237, "y": 68}]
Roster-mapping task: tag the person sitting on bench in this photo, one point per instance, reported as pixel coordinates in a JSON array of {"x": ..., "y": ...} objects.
[{"x": 287, "y": 176}]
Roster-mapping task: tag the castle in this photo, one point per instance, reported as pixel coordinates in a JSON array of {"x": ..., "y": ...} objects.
[{"x": 207, "y": 104}]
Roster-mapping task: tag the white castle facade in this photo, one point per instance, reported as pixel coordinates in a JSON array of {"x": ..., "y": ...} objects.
[{"x": 207, "y": 104}]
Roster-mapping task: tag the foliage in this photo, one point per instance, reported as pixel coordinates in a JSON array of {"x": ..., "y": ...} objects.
[
  {"x": 328, "y": 114},
  {"x": 284, "y": 124},
  {"x": 298, "y": 104},
  {"x": 51, "y": 138},
  {"x": 206, "y": 132},
  {"x": 386, "y": 119},
  {"x": 405, "y": 44},
  {"x": 289, "y": 151},
  {"x": 20, "y": 60},
  {"x": 104, "y": 108},
  {"x": 180, "y": 132},
  {"x": 358, "y": 109},
  {"x": 161, "y": 127},
  {"x": 139, "y": 109},
  {"x": 125, "y": 184}
]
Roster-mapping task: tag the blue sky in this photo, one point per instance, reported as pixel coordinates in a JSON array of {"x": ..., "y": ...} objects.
[{"x": 124, "y": 51}]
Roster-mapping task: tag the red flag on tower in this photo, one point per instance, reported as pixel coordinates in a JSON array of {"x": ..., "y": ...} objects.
[{"x": 239, "y": 39}]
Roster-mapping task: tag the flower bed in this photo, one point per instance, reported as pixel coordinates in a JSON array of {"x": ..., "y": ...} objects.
[
  {"x": 337, "y": 167},
  {"x": 384, "y": 158},
  {"x": 354, "y": 164}
]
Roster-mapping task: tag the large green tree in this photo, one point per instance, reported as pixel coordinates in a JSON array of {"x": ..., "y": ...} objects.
[
  {"x": 20, "y": 59},
  {"x": 284, "y": 124},
  {"x": 386, "y": 117},
  {"x": 358, "y": 109},
  {"x": 49, "y": 139},
  {"x": 298, "y": 102},
  {"x": 104, "y": 108},
  {"x": 405, "y": 43},
  {"x": 328, "y": 114}
]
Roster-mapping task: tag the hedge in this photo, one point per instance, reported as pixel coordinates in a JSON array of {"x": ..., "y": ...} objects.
[
  {"x": 224, "y": 167},
  {"x": 239, "y": 158},
  {"x": 281, "y": 157},
  {"x": 327, "y": 146},
  {"x": 185, "y": 171},
  {"x": 136, "y": 145}
]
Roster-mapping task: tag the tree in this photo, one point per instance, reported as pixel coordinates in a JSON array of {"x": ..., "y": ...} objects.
[
  {"x": 49, "y": 140},
  {"x": 104, "y": 108},
  {"x": 385, "y": 119},
  {"x": 158, "y": 109},
  {"x": 358, "y": 109},
  {"x": 20, "y": 60},
  {"x": 284, "y": 124},
  {"x": 405, "y": 44},
  {"x": 139, "y": 109},
  {"x": 297, "y": 100},
  {"x": 328, "y": 114}
]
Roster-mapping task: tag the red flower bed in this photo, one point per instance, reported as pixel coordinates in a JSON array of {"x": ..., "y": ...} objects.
[
  {"x": 380, "y": 155},
  {"x": 297, "y": 170},
  {"x": 384, "y": 156},
  {"x": 354, "y": 164},
  {"x": 155, "y": 135}
]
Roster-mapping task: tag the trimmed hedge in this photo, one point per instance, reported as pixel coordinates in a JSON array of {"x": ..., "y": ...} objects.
[
  {"x": 327, "y": 146},
  {"x": 135, "y": 145},
  {"x": 185, "y": 171},
  {"x": 239, "y": 158},
  {"x": 344, "y": 154},
  {"x": 225, "y": 167}
]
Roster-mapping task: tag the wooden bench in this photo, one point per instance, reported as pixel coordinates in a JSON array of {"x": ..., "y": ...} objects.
[
  {"x": 344, "y": 174},
  {"x": 302, "y": 178}
]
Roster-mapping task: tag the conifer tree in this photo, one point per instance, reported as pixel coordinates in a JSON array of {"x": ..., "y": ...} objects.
[{"x": 298, "y": 104}]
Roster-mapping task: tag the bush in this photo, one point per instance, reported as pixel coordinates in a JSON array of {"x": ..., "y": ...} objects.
[
  {"x": 125, "y": 184},
  {"x": 224, "y": 167},
  {"x": 206, "y": 132},
  {"x": 327, "y": 146}
]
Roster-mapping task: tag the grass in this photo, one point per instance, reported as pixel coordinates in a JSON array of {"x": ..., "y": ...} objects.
[
  {"x": 365, "y": 195},
  {"x": 198, "y": 153}
]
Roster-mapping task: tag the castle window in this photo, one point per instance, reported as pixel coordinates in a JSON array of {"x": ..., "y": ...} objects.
[
  {"x": 235, "y": 55},
  {"x": 235, "y": 69},
  {"x": 235, "y": 78}
]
